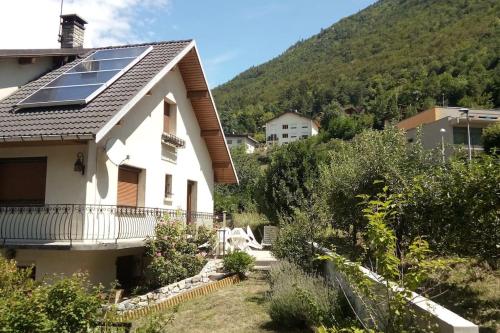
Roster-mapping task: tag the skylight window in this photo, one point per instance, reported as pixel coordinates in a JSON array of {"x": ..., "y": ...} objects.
[{"x": 87, "y": 79}]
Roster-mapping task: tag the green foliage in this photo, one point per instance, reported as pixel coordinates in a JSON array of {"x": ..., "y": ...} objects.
[
  {"x": 242, "y": 196},
  {"x": 405, "y": 268},
  {"x": 431, "y": 50},
  {"x": 355, "y": 168},
  {"x": 67, "y": 305},
  {"x": 291, "y": 181},
  {"x": 295, "y": 242},
  {"x": 238, "y": 262},
  {"x": 298, "y": 299},
  {"x": 174, "y": 255},
  {"x": 457, "y": 205},
  {"x": 491, "y": 139},
  {"x": 156, "y": 323},
  {"x": 72, "y": 304}
]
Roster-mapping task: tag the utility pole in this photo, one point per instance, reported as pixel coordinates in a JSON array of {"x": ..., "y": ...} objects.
[
  {"x": 466, "y": 111},
  {"x": 443, "y": 131}
]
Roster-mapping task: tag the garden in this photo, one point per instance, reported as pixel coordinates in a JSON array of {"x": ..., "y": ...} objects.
[{"x": 375, "y": 202}]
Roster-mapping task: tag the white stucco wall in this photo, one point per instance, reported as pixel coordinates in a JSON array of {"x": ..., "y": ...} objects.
[
  {"x": 297, "y": 127},
  {"x": 101, "y": 265},
  {"x": 63, "y": 184},
  {"x": 141, "y": 130},
  {"x": 13, "y": 74},
  {"x": 235, "y": 141}
]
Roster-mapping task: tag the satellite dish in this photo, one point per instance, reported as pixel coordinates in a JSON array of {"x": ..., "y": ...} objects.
[{"x": 115, "y": 151}]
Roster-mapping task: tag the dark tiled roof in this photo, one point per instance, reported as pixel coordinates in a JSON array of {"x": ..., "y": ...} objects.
[
  {"x": 14, "y": 53},
  {"x": 83, "y": 119}
]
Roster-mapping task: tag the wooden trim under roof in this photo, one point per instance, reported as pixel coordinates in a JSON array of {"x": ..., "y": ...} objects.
[{"x": 208, "y": 119}]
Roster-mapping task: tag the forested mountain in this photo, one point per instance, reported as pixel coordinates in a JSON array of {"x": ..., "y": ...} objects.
[{"x": 388, "y": 61}]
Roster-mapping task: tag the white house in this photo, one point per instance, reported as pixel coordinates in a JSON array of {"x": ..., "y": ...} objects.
[
  {"x": 96, "y": 151},
  {"x": 290, "y": 126},
  {"x": 235, "y": 140}
]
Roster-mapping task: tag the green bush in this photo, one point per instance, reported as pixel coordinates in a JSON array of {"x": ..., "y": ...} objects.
[
  {"x": 67, "y": 305},
  {"x": 238, "y": 262},
  {"x": 173, "y": 255},
  {"x": 298, "y": 299},
  {"x": 491, "y": 139},
  {"x": 72, "y": 304}
]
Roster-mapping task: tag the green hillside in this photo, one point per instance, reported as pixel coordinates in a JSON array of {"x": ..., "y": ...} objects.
[{"x": 390, "y": 60}]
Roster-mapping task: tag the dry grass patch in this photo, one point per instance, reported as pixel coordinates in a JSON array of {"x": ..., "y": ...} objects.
[{"x": 241, "y": 308}]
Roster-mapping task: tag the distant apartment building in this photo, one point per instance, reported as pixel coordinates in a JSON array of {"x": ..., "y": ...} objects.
[
  {"x": 290, "y": 126},
  {"x": 449, "y": 125},
  {"x": 235, "y": 140}
]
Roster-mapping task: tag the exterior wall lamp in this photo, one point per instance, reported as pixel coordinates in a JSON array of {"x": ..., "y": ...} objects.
[{"x": 79, "y": 164}]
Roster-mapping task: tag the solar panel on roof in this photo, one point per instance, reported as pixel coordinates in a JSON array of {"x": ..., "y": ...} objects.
[{"x": 84, "y": 81}]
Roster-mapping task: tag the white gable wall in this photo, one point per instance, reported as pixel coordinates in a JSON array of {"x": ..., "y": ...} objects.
[
  {"x": 140, "y": 130},
  {"x": 13, "y": 75},
  {"x": 298, "y": 126}
]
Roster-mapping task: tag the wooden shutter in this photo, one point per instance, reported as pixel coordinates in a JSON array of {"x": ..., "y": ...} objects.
[
  {"x": 166, "y": 117},
  {"x": 128, "y": 185},
  {"x": 22, "y": 180}
]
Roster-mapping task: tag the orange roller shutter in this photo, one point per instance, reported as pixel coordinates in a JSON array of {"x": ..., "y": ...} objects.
[{"x": 128, "y": 185}]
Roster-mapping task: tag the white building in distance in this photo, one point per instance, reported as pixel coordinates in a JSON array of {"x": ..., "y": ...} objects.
[
  {"x": 290, "y": 126},
  {"x": 235, "y": 140}
]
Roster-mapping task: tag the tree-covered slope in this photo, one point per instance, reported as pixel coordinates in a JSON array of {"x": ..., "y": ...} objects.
[{"x": 392, "y": 59}]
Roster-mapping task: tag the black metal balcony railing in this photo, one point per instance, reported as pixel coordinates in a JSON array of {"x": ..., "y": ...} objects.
[
  {"x": 171, "y": 139},
  {"x": 68, "y": 222}
]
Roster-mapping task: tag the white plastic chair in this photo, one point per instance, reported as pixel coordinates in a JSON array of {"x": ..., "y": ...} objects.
[
  {"x": 270, "y": 235},
  {"x": 223, "y": 236},
  {"x": 239, "y": 239},
  {"x": 253, "y": 242}
]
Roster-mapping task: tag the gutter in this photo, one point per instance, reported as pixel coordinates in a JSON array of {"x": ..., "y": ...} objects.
[{"x": 50, "y": 137}]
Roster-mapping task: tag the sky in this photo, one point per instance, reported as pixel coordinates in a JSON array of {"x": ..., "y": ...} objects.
[{"x": 231, "y": 35}]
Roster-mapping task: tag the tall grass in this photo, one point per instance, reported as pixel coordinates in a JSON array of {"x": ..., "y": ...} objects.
[{"x": 298, "y": 299}]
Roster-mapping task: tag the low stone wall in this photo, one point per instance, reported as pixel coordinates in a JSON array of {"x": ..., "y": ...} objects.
[{"x": 164, "y": 293}]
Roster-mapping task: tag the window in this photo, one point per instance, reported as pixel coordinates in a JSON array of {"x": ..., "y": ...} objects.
[
  {"x": 284, "y": 135},
  {"x": 229, "y": 142},
  {"x": 168, "y": 186},
  {"x": 293, "y": 126},
  {"x": 305, "y": 126},
  {"x": 128, "y": 186},
  {"x": 285, "y": 126},
  {"x": 166, "y": 117},
  {"x": 239, "y": 141},
  {"x": 294, "y": 136},
  {"x": 169, "y": 118},
  {"x": 304, "y": 136},
  {"x": 460, "y": 136},
  {"x": 272, "y": 137},
  {"x": 23, "y": 180}
]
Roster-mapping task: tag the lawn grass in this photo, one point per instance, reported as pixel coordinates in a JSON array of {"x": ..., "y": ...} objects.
[{"x": 240, "y": 308}]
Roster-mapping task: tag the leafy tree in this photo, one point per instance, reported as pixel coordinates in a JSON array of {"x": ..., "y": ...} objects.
[
  {"x": 491, "y": 139},
  {"x": 242, "y": 196}
]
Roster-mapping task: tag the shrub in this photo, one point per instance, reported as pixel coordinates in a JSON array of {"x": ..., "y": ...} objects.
[
  {"x": 67, "y": 305},
  {"x": 173, "y": 256},
  {"x": 238, "y": 262},
  {"x": 298, "y": 299},
  {"x": 72, "y": 304},
  {"x": 491, "y": 139},
  {"x": 295, "y": 238}
]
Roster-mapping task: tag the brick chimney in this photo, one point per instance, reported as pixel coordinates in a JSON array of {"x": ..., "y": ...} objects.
[{"x": 72, "y": 31}]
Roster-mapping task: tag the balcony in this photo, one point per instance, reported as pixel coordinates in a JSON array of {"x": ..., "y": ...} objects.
[
  {"x": 172, "y": 140},
  {"x": 85, "y": 226}
]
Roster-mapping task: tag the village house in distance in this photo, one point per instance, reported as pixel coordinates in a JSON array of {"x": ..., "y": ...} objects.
[
  {"x": 448, "y": 126},
  {"x": 94, "y": 152},
  {"x": 290, "y": 126},
  {"x": 236, "y": 140}
]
